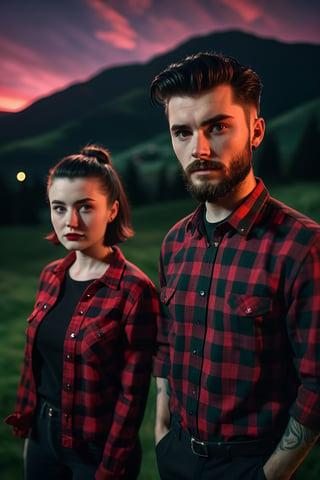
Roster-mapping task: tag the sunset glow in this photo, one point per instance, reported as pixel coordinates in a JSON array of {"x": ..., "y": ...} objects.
[
  {"x": 51, "y": 45},
  {"x": 12, "y": 104}
]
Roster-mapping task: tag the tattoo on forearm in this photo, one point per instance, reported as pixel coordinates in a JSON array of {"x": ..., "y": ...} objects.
[
  {"x": 297, "y": 435},
  {"x": 168, "y": 387}
]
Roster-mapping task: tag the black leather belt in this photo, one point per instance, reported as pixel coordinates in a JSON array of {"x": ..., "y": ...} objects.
[{"x": 250, "y": 448}]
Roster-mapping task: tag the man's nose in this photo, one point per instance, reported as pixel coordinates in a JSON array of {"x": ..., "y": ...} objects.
[{"x": 201, "y": 147}]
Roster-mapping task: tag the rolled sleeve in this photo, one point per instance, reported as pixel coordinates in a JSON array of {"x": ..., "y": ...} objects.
[
  {"x": 305, "y": 323},
  {"x": 140, "y": 332},
  {"x": 161, "y": 363}
]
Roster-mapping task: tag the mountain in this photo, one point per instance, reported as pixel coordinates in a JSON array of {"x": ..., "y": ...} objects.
[
  {"x": 5, "y": 114},
  {"x": 113, "y": 107}
]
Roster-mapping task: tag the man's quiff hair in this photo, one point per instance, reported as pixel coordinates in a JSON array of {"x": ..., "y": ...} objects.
[{"x": 203, "y": 71}]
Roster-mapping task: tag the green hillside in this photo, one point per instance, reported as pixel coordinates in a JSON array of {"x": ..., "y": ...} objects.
[
  {"x": 289, "y": 127},
  {"x": 286, "y": 129}
]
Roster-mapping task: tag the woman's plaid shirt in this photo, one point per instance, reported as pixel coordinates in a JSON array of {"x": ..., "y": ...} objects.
[
  {"x": 107, "y": 360},
  {"x": 239, "y": 337}
]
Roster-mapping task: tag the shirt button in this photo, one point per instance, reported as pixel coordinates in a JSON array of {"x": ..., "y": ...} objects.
[
  {"x": 68, "y": 356},
  {"x": 88, "y": 295},
  {"x": 100, "y": 334},
  {"x": 191, "y": 412},
  {"x": 202, "y": 293},
  {"x": 73, "y": 335},
  {"x": 66, "y": 417},
  {"x": 249, "y": 310},
  {"x": 81, "y": 312},
  {"x": 194, "y": 351},
  {"x": 68, "y": 387},
  {"x": 45, "y": 306},
  {"x": 193, "y": 392},
  {"x": 216, "y": 244}
]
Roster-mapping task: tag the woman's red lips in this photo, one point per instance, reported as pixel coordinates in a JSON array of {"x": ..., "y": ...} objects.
[{"x": 73, "y": 236}]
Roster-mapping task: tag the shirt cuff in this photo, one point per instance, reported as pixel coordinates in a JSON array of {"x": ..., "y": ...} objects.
[
  {"x": 103, "y": 474},
  {"x": 306, "y": 409},
  {"x": 160, "y": 369}
]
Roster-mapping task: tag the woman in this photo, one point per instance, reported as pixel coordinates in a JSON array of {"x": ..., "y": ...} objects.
[{"x": 90, "y": 338}]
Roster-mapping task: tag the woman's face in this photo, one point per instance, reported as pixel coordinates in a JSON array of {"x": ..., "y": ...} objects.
[{"x": 80, "y": 212}]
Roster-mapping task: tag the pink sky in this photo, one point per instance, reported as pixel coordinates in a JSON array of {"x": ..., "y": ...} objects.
[{"x": 46, "y": 46}]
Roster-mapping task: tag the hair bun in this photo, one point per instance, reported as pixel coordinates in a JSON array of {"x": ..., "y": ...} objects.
[{"x": 100, "y": 154}]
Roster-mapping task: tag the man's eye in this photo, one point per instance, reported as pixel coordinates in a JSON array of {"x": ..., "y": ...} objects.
[
  {"x": 182, "y": 133},
  {"x": 218, "y": 127}
]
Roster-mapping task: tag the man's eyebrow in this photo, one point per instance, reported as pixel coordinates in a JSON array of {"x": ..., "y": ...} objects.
[
  {"x": 216, "y": 118},
  {"x": 209, "y": 121},
  {"x": 177, "y": 126}
]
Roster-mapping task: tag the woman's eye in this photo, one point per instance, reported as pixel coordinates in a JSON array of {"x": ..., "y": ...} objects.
[
  {"x": 58, "y": 208},
  {"x": 85, "y": 208}
]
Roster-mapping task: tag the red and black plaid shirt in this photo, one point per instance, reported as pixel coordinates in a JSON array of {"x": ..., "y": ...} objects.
[
  {"x": 107, "y": 360},
  {"x": 239, "y": 338}
]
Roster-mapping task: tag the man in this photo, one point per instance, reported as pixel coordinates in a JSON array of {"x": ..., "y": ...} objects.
[{"x": 238, "y": 355}]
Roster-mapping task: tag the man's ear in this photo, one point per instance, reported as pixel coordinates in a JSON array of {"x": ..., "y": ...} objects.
[{"x": 258, "y": 132}]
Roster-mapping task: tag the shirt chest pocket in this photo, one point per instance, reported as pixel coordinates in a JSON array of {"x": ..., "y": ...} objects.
[
  {"x": 100, "y": 342},
  {"x": 166, "y": 294},
  {"x": 249, "y": 306},
  {"x": 34, "y": 318},
  {"x": 172, "y": 306},
  {"x": 176, "y": 292},
  {"x": 251, "y": 321}
]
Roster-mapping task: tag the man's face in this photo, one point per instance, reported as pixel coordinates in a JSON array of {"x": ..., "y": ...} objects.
[{"x": 212, "y": 137}]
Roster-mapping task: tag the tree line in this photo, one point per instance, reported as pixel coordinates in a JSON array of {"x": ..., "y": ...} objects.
[
  {"x": 304, "y": 164},
  {"x": 25, "y": 203}
]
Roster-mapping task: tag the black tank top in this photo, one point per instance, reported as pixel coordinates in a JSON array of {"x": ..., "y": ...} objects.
[{"x": 48, "y": 348}]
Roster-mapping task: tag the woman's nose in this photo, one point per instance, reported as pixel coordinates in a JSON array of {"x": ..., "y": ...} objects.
[{"x": 72, "y": 219}]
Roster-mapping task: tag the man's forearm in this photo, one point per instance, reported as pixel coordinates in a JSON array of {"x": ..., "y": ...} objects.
[
  {"x": 295, "y": 444},
  {"x": 163, "y": 417}
]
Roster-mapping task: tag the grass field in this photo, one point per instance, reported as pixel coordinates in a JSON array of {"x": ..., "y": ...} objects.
[{"x": 23, "y": 253}]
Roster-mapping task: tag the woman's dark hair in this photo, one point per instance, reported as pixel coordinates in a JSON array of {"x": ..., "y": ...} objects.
[
  {"x": 95, "y": 162},
  {"x": 203, "y": 71}
]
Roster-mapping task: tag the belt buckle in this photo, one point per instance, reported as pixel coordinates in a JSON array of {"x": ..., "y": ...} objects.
[{"x": 199, "y": 448}]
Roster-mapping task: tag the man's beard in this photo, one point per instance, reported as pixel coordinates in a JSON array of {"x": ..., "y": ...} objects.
[{"x": 206, "y": 191}]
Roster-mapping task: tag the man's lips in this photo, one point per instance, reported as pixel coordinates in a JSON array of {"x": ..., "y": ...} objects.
[
  {"x": 203, "y": 167},
  {"x": 205, "y": 171},
  {"x": 73, "y": 236}
]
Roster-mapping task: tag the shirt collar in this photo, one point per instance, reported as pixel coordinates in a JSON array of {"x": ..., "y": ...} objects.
[
  {"x": 244, "y": 216},
  {"x": 112, "y": 276}
]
